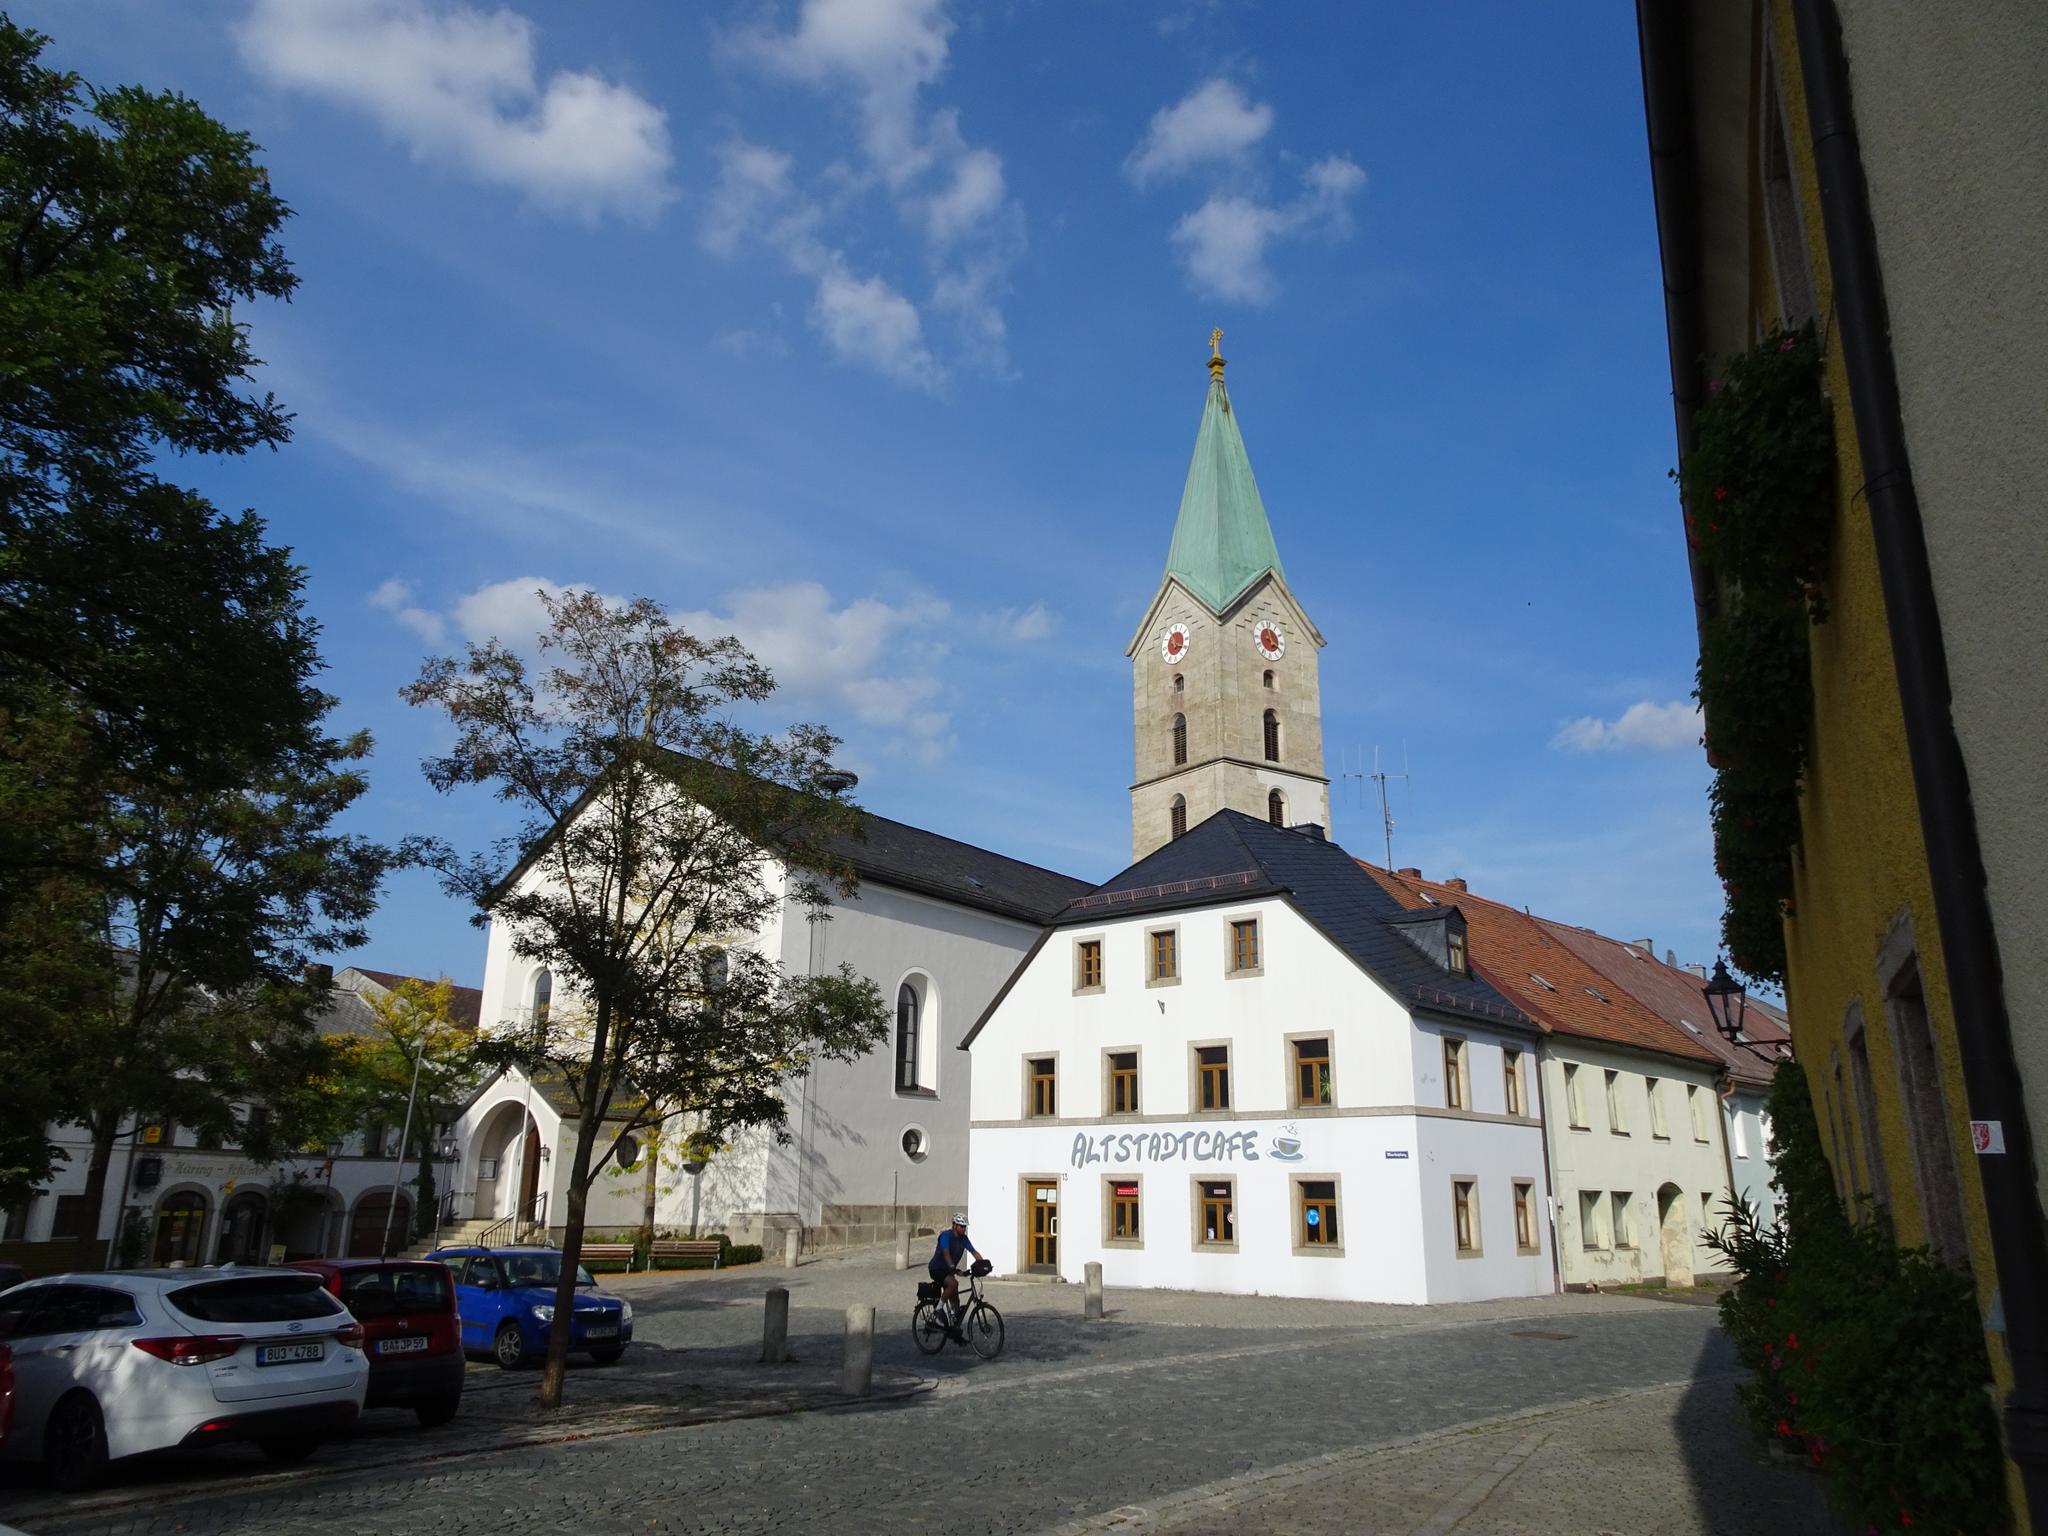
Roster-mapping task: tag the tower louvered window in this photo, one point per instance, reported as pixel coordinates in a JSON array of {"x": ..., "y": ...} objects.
[
  {"x": 1272, "y": 736},
  {"x": 1180, "y": 816},
  {"x": 1276, "y": 808},
  {"x": 1180, "y": 739}
]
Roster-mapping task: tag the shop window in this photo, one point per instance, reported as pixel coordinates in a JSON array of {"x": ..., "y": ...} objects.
[
  {"x": 1525, "y": 1216},
  {"x": 1312, "y": 1082},
  {"x": 1215, "y": 1213},
  {"x": 1465, "y": 1211},
  {"x": 1088, "y": 965},
  {"x": 1315, "y": 1215},
  {"x": 1040, "y": 1082},
  {"x": 1123, "y": 1082},
  {"x": 1121, "y": 1201},
  {"x": 1212, "y": 1077}
]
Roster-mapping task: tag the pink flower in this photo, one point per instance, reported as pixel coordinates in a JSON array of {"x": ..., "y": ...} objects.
[
  {"x": 1713, "y": 386},
  {"x": 1785, "y": 345}
]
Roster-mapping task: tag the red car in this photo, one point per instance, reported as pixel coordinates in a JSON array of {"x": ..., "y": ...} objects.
[{"x": 412, "y": 1338}]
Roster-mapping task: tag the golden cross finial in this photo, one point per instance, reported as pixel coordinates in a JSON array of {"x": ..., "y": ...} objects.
[{"x": 1216, "y": 342}]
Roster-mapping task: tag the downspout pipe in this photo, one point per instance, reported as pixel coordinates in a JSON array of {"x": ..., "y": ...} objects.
[{"x": 1962, "y": 905}]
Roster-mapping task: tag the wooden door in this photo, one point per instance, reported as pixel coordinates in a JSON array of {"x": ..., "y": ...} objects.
[
  {"x": 529, "y": 1171},
  {"x": 1042, "y": 1226}
]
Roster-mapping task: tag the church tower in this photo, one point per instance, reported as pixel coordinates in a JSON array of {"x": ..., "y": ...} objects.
[{"x": 1225, "y": 699}]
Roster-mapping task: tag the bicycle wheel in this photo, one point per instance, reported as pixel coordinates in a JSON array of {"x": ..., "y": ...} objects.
[
  {"x": 985, "y": 1331},
  {"x": 926, "y": 1328}
]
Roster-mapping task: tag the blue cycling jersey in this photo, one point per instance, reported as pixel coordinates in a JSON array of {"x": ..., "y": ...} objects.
[{"x": 947, "y": 1255}]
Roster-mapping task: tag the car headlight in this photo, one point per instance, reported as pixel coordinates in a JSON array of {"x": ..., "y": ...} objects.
[
  {"x": 545, "y": 1314},
  {"x": 625, "y": 1311}
]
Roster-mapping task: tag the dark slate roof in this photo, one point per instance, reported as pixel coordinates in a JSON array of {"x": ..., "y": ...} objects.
[
  {"x": 910, "y": 858},
  {"x": 1232, "y": 857}
]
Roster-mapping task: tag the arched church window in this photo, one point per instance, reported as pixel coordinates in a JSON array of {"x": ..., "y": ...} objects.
[
  {"x": 543, "y": 995},
  {"x": 1276, "y": 808},
  {"x": 1180, "y": 815},
  {"x": 1272, "y": 736},
  {"x": 1269, "y": 677},
  {"x": 1180, "y": 739},
  {"x": 908, "y": 1008},
  {"x": 1179, "y": 683}
]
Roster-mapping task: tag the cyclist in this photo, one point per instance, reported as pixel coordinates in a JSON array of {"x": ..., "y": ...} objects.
[{"x": 946, "y": 1260}]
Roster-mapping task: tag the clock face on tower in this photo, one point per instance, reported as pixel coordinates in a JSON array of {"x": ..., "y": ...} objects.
[
  {"x": 1271, "y": 643},
  {"x": 1173, "y": 645}
]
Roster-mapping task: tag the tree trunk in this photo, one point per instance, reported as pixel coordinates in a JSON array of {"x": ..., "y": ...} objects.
[
  {"x": 595, "y": 1097},
  {"x": 105, "y": 1132}
]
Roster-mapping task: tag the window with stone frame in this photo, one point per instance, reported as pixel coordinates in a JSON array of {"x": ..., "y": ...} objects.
[
  {"x": 1212, "y": 1077},
  {"x": 1525, "y": 1216},
  {"x": 1216, "y": 1213},
  {"x": 1465, "y": 1212},
  {"x": 1313, "y": 1085},
  {"x": 1244, "y": 945},
  {"x": 1121, "y": 1202},
  {"x": 1457, "y": 1086},
  {"x": 1088, "y": 965},
  {"x": 1315, "y": 1214},
  {"x": 1163, "y": 951},
  {"x": 1123, "y": 1082},
  {"x": 1511, "y": 1080},
  {"x": 1041, "y": 1085}
]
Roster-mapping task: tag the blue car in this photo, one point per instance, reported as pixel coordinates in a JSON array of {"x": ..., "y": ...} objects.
[{"x": 506, "y": 1301}]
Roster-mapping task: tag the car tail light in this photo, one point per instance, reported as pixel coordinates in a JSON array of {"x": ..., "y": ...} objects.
[
  {"x": 349, "y": 1335},
  {"x": 191, "y": 1348}
]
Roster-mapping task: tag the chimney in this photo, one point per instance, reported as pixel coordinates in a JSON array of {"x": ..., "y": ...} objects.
[
  {"x": 1410, "y": 872},
  {"x": 1456, "y": 883},
  {"x": 1699, "y": 971},
  {"x": 1309, "y": 829},
  {"x": 1648, "y": 946},
  {"x": 319, "y": 975}
]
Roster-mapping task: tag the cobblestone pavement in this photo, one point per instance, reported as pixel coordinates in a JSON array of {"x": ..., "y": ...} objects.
[{"x": 1184, "y": 1413}]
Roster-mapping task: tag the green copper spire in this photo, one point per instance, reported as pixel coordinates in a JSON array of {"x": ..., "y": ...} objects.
[{"x": 1222, "y": 542}]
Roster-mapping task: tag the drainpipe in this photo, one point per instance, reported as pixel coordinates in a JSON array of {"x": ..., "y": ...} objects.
[{"x": 1948, "y": 827}]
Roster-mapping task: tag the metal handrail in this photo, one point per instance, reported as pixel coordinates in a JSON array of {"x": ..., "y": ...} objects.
[{"x": 519, "y": 1227}]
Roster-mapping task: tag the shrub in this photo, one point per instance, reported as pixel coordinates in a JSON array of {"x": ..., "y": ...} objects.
[
  {"x": 1867, "y": 1357},
  {"x": 742, "y": 1253}
]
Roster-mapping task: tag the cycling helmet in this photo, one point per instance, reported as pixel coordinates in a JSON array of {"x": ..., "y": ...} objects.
[{"x": 959, "y": 1218}]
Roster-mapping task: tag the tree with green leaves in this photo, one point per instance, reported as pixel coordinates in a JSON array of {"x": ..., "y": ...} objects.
[
  {"x": 656, "y": 840},
  {"x": 168, "y": 787},
  {"x": 417, "y": 1061}
]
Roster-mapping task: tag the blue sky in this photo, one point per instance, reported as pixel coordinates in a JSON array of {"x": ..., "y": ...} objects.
[{"x": 874, "y": 331}]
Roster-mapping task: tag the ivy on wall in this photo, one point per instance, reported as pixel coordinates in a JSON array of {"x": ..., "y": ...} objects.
[{"x": 1759, "y": 490}]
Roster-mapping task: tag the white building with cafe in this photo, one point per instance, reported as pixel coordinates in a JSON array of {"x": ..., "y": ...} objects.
[{"x": 1239, "y": 1066}]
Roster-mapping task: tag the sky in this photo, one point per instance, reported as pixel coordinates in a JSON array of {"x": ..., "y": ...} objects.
[{"x": 874, "y": 332}]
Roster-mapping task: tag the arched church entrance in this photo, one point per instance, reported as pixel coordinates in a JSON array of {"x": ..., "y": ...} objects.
[
  {"x": 507, "y": 1149},
  {"x": 1674, "y": 1236}
]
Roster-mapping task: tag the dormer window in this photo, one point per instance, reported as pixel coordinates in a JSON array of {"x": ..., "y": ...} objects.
[{"x": 1457, "y": 954}]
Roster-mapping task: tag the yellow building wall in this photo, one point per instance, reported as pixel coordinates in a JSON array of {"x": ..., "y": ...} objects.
[{"x": 1861, "y": 862}]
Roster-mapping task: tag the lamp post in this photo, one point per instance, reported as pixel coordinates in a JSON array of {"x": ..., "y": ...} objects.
[
  {"x": 404, "y": 1138},
  {"x": 694, "y": 1167}
]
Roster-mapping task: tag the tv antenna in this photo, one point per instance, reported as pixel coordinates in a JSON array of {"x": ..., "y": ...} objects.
[{"x": 1380, "y": 776}]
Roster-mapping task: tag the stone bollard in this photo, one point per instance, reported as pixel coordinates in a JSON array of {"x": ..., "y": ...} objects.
[
  {"x": 857, "y": 1367},
  {"x": 792, "y": 1240},
  {"x": 775, "y": 1328},
  {"x": 903, "y": 1250},
  {"x": 1091, "y": 1292}
]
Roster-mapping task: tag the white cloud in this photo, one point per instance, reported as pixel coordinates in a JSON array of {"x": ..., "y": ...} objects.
[
  {"x": 1214, "y": 121},
  {"x": 461, "y": 86},
  {"x": 882, "y": 56},
  {"x": 1644, "y": 726},
  {"x": 865, "y": 320},
  {"x": 395, "y": 597},
  {"x": 874, "y": 661},
  {"x": 1223, "y": 244},
  {"x": 1018, "y": 625}
]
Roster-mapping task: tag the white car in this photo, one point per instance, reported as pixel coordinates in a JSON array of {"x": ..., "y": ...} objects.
[{"x": 112, "y": 1365}]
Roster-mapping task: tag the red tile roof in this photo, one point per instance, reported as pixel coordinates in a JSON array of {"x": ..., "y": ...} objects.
[
  {"x": 1549, "y": 981},
  {"x": 1676, "y": 995},
  {"x": 466, "y": 1007}
]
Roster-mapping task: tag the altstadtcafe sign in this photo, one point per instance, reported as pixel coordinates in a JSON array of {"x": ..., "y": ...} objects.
[{"x": 1121, "y": 1148}]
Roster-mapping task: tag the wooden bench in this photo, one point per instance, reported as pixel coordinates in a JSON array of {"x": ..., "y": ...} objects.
[
  {"x": 609, "y": 1253},
  {"x": 683, "y": 1248}
]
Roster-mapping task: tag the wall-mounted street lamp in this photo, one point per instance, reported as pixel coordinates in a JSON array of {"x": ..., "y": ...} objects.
[{"x": 1727, "y": 1001}]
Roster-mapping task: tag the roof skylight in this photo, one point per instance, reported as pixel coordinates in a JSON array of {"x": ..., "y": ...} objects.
[{"x": 1547, "y": 986}]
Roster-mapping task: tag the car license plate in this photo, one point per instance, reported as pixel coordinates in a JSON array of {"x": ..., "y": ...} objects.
[
  {"x": 285, "y": 1354},
  {"x": 601, "y": 1331},
  {"x": 413, "y": 1344}
]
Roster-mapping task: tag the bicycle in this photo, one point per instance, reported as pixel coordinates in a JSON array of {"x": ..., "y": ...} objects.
[{"x": 980, "y": 1322}]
